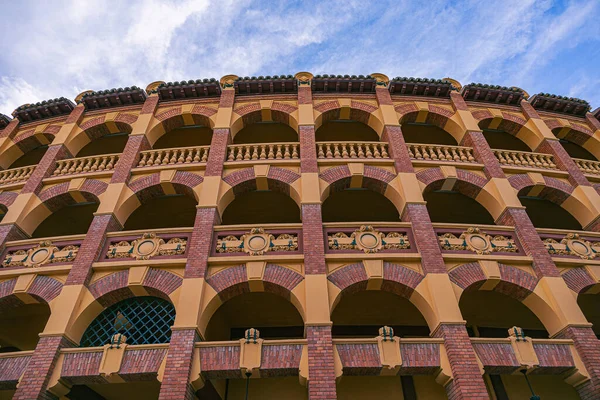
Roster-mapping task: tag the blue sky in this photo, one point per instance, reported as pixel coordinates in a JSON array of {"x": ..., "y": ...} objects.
[{"x": 60, "y": 48}]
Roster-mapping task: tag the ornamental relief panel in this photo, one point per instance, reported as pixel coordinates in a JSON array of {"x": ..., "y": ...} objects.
[
  {"x": 44, "y": 253},
  {"x": 477, "y": 242},
  {"x": 257, "y": 242},
  {"x": 572, "y": 245},
  {"x": 146, "y": 247},
  {"x": 368, "y": 240}
]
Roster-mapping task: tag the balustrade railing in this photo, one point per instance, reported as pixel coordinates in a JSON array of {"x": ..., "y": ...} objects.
[
  {"x": 435, "y": 152},
  {"x": 342, "y": 150},
  {"x": 588, "y": 166},
  {"x": 263, "y": 151},
  {"x": 105, "y": 162},
  {"x": 525, "y": 159},
  {"x": 181, "y": 155},
  {"x": 16, "y": 174}
]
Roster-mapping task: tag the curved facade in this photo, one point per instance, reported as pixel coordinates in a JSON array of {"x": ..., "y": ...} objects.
[{"x": 303, "y": 237}]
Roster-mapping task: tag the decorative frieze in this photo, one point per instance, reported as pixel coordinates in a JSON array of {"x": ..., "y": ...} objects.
[
  {"x": 572, "y": 245},
  {"x": 478, "y": 242},
  {"x": 44, "y": 253},
  {"x": 146, "y": 247},
  {"x": 257, "y": 242},
  {"x": 368, "y": 240}
]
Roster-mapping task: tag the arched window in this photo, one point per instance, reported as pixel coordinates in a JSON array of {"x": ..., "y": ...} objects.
[
  {"x": 454, "y": 207},
  {"x": 143, "y": 320},
  {"x": 166, "y": 211},
  {"x": 31, "y": 157},
  {"x": 539, "y": 210},
  {"x": 266, "y": 132},
  {"x": 502, "y": 140},
  {"x": 72, "y": 219},
  {"x": 185, "y": 136},
  {"x": 261, "y": 207},
  {"x": 360, "y": 204},
  {"x": 426, "y": 134},
  {"x": 110, "y": 143},
  {"x": 576, "y": 151},
  {"x": 346, "y": 130}
]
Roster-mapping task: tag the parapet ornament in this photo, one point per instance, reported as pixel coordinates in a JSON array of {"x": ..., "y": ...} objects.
[
  {"x": 478, "y": 242},
  {"x": 572, "y": 245},
  {"x": 257, "y": 242},
  {"x": 44, "y": 253},
  {"x": 369, "y": 240},
  {"x": 146, "y": 247}
]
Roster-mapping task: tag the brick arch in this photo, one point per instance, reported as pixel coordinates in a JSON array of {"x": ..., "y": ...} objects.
[
  {"x": 579, "y": 134},
  {"x": 233, "y": 281},
  {"x": 579, "y": 280},
  {"x": 251, "y": 113},
  {"x": 396, "y": 279},
  {"x": 173, "y": 118},
  {"x": 26, "y": 142},
  {"x": 245, "y": 180},
  {"x": 373, "y": 178},
  {"x": 514, "y": 283},
  {"x": 43, "y": 289},
  {"x": 115, "y": 287},
  {"x": 7, "y": 198},
  {"x": 99, "y": 126},
  {"x": 359, "y": 111},
  {"x": 511, "y": 124},
  {"x": 436, "y": 116}
]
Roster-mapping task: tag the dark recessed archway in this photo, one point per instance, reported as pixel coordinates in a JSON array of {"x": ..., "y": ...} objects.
[
  {"x": 108, "y": 144},
  {"x": 352, "y": 205},
  {"x": 169, "y": 211},
  {"x": 576, "y": 151},
  {"x": 546, "y": 214},
  {"x": 74, "y": 219},
  {"x": 453, "y": 207},
  {"x": 32, "y": 157},
  {"x": 590, "y": 306},
  {"x": 266, "y": 132},
  {"x": 502, "y": 140},
  {"x": 347, "y": 131},
  {"x": 274, "y": 316},
  {"x": 20, "y": 326},
  {"x": 361, "y": 314},
  {"x": 186, "y": 136},
  {"x": 261, "y": 207},
  {"x": 426, "y": 134},
  {"x": 491, "y": 314}
]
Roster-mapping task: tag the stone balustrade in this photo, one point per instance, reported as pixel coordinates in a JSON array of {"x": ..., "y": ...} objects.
[
  {"x": 181, "y": 155},
  {"x": 105, "y": 162},
  {"x": 16, "y": 174},
  {"x": 434, "y": 152},
  {"x": 359, "y": 150},
  {"x": 588, "y": 166},
  {"x": 263, "y": 151},
  {"x": 525, "y": 159}
]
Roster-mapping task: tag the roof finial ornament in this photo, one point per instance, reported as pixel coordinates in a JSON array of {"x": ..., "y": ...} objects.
[
  {"x": 227, "y": 81},
  {"x": 304, "y": 78},
  {"x": 380, "y": 79}
]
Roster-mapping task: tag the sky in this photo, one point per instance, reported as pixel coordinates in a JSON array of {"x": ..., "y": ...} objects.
[{"x": 63, "y": 47}]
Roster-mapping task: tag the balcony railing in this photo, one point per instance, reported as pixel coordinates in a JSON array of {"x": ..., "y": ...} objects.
[
  {"x": 434, "y": 152},
  {"x": 525, "y": 159},
  {"x": 16, "y": 174},
  {"x": 357, "y": 150},
  {"x": 105, "y": 162},
  {"x": 588, "y": 166},
  {"x": 181, "y": 155},
  {"x": 31, "y": 253},
  {"x": 266, "y": 151},
  {"x": 477, "y": 239}
]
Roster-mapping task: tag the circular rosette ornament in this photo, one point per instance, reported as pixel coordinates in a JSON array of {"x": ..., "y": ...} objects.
[
  {"x": 368, "y": 239},
  {"x": 578, "y": 246},
  {"x": 147, "y": 246},
  {"x": 257, "y": 242},
  {"x": 477, "y": 241}
]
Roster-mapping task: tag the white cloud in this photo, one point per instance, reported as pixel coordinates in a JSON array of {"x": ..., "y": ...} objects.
[{"x": 15, "y": 92}]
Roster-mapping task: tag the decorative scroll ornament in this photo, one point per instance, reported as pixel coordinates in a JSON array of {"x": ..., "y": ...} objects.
[
  {"x": 476, "y": 241},
  {"x": 572, "y": 245},
  {"x": 257, "y": 242},
  {"x": 43, "y": 253},
  {"x": 146, "y": 247},
  {"x": 369, "y": 240}
]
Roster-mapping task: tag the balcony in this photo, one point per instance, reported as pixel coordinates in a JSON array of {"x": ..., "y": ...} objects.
[
  {"x": 263, "y": 151},
  {"x": 571, "y": 247},
  {"x": 83, "y": 165},
  {"x": 34, "y": 253},
  {"x": 445, "y": 153},
  {"x": 352, "y": 151},
  {"x": 16, "y": 175},
  {"x": 588, "y": 166},
  {"x": 174, "y": 156},
  {"x": 524, "y": 159},
  {"x": 12, "y": 367}
]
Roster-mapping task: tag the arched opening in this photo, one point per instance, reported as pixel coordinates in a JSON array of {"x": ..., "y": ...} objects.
[
  {"x": 72, "y": 219},
  {"x": 572, "y": 148},
  {"x": 109, "y": 143},
  {"x": 352, "y": 205},
  {"x": 362, "y": 313},
  {"x": 539, "y": 211},
  {"x": 453, "y": 207},
  {"x": 414, "y": 132},
  {"x": 166, "y": 211},
  {"x": 502, "y": 140},
  {"x": 185, "y": 136},
  {"x": 3, "y": 211},
  {"x": 261, "y": 207},
  {"x": 514, "y": 386},
  {"x": 590, "y": 306},
  {"x": 265, "y": 132},
  {"x": 274, "y": 316},
  {"x": 20, "y": 326},
  {"x": 142, "y": 320},
  {"x": 491, "y": 314},
  {"x": 347, "y": 131},
  {"x": 31, "y": 157}
]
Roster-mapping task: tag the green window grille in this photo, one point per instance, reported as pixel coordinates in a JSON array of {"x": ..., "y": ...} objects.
[{"x": 143, "y": 320}]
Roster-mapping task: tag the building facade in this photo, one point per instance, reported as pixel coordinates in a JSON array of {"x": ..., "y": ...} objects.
[{"x": 301, "y": 237}]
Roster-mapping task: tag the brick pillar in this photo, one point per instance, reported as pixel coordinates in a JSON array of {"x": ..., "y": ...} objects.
[
  {"x": 11, "y": 129},
  {"x": 175, "y": 383},
  {"x": 588, "y": 347},
  {"x": 321, "y": 371}
]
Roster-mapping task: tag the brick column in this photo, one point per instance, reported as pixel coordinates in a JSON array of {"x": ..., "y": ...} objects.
[
  {"x": 175, "y": 384},
  {"x": 11, "y": 129}
]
